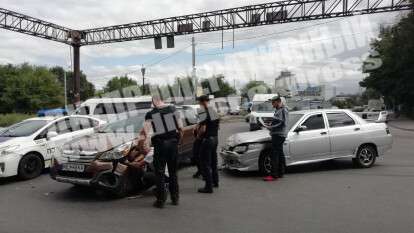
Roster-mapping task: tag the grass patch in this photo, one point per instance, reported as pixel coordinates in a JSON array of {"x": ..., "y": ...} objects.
[{"x": 12, "y": 118}]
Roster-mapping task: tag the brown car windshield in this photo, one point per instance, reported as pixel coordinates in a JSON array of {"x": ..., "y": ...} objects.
[{"x": 130, "y": 125}]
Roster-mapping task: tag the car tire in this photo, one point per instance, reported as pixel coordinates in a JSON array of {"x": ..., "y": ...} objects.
[
  {"x": 265, "y": 165},
  {"x": 124, "y": 188},
  {"x": 30, "y": 166},
  {"x": 366, "y": 156}
]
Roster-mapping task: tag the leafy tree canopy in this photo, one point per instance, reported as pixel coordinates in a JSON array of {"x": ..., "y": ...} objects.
[
  {"x": 87, "y": 89},
  {"x": 394, "y": 77},
  {"x": 255, "y": 87},
  {"x": 27, "y": 89},
  {"x": 118, "y": 83},
  {"x": 217, "y": 86}
]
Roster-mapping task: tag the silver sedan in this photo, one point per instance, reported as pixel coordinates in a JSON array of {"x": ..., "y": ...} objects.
[{"x": 314, "y": 135}]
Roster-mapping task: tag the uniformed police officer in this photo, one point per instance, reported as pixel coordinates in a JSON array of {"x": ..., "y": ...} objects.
[
  {"x": 208, "y": 134},
  {"x": 167, "y": 133}
]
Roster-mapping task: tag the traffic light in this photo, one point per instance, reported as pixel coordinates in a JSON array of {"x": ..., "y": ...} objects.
[
  {"x": 158, "y": 43},
  {"x": 170, "y": 42}
]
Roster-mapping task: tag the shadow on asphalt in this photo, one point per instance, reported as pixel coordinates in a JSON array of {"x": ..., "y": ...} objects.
[
  {"x": 330, "y": 165},
  {"x": 8, "y": 180},
  {"x": 15, "y": 179},
  {"x": 88, "y": 194}
]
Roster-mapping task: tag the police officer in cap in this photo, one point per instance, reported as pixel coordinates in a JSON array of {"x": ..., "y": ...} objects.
[
  {"x": 208, "y": 134},
  {"x": 167, "y": 133}
]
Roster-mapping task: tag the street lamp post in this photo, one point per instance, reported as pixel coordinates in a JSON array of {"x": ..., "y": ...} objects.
[
  {"x": 143, "y": 79},
  {"x": 66, "y": 94}
]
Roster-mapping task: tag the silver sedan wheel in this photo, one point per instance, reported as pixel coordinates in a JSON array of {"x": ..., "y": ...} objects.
[
  {"x": 366, "y": 156},
  {"x": 268, "y": 164}
]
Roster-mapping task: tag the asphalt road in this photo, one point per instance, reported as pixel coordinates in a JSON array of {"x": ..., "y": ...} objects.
[{"x": 324, "y": 197}]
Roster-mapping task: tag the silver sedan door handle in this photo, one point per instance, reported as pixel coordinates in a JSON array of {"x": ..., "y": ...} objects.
[
  {"x": 357, "y": 129},
  {"x": 324, "y": 133}
]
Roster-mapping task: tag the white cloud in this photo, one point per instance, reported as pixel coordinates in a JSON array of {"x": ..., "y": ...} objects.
[{"x": 260, "y": 58}]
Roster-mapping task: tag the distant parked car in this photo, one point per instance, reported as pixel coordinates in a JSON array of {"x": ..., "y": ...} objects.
[
  {"x": 376, "y": 116},
  {"x": 314, "y": 135},
  {"x": 260, "y": 111},
  {"x": 114, "y": 109},
  {"x": 26, "y": 148}
]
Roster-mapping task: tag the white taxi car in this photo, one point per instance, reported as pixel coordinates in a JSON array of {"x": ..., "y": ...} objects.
[{"x": 26, "y": 148}]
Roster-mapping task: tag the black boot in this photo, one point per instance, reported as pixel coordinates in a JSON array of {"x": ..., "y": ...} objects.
[
  {"x": 205, "y": 190},
  {"x": 158, "y": 204},
  {"x": 175, "y": 200}
]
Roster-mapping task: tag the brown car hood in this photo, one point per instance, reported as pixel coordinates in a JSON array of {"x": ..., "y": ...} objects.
[{"x": 100, "y": 142}]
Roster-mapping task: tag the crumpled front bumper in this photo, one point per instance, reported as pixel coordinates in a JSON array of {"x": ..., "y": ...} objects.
[
  {"x": 248, "y": 161},
  {"x": 96, "y": 174},
  {"x": 105, "y": 180}
]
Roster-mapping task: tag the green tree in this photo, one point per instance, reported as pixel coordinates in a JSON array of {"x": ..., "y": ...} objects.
[
  {"x": 26, "y": 89},
  {"x": 87, "y": 89},
  {"x": 118, "y": 83},
  {"x": 393, "y": 78},
  {"x": 223, "y": 88},
  {"x": 255, "y": 87}
]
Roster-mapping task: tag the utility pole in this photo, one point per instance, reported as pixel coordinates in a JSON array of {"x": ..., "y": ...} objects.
[
  {"x": 76, "y": 75},
  {"x": 143, "y": 79},
  {"x": 193, "y": 74},
  {"x": 64, "y": 82},
  {"x": 76, "y": 37}
]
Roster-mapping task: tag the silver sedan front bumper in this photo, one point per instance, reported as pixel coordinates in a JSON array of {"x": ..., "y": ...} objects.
[{"x": 247, "y": 161}]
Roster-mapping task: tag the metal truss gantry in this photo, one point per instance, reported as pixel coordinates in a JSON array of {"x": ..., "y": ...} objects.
[
  {"x": 233, "y": 18},
  {"x": 17, "y": 22},
  {"x": 241, "y": 17}
]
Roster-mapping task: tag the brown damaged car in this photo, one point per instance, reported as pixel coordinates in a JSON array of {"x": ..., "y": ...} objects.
[{"x": 116, "y": 158}]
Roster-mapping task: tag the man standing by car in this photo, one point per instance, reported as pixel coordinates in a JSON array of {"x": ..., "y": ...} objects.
[
  {"x": 278, "y": 131},
  {"x": 167, "y": 132},
  {"x": 208, "y": 134}
]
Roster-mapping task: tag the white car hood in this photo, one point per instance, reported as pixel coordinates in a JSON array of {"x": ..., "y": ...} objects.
[
  {"x": 7, "y": 141},
  {"x": 262, "y": 114},
  {"x": 248, "y": 137}
]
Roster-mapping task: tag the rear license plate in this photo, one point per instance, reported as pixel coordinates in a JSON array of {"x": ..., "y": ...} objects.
[{"x": 70, "y": 167}]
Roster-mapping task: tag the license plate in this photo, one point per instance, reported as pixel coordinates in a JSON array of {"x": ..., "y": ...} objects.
[{"x": 70, "y": 167}]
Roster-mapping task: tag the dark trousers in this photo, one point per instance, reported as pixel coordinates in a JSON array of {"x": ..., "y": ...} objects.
[
  {"x": 165, "y": 154},
  {"x": 196, "y": 154},
  {"x": 208, "y": 161},
  {"x": 278, "y": 157}
]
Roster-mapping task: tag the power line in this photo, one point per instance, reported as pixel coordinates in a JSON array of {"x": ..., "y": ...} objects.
[
  {"x": 305, "y": 42},
  {"x": 273, "y": 33},
  {"x": 150, "y": 64},
  {"x": 167, "y": 57}
]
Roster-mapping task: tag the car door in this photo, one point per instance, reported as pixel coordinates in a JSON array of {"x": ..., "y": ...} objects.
[
  {"x": 67, "y": 129},
  {"x": 344, "y": 133},
  {"x": 311, "y": 143}
]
